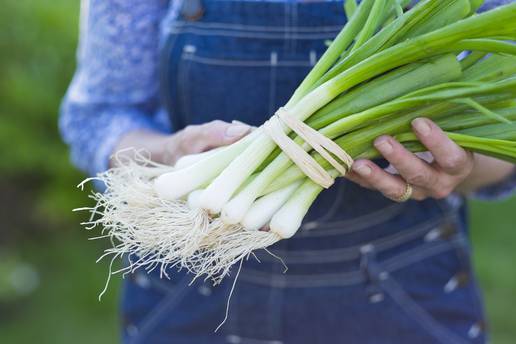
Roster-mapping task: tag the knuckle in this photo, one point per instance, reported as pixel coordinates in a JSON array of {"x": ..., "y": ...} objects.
[
  {"x": 454, "y": 161},
  {"x": 418, "y": 178},
  {"x": 206, "y": 127},
  {"x": 189, "y": 141},
  {"x": 185, "y": 146},
  {"x": 375, "y": 178},
  {"x": 189, "y": 131},
  {"x": 397, "y": 158},
  {"x": 213, "y": 124},
  {"x": 213, "y": 129}
]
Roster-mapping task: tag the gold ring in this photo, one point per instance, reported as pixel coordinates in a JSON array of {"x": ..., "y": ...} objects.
[{"x": 406, "y": 195}]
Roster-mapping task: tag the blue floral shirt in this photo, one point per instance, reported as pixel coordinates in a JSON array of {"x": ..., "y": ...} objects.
[{"x": 115, "y": 87}]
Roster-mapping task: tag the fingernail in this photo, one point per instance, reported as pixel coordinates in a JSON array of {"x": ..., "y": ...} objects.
[
  {"x": 236, "y": 130},
  {"x": 421, "y": 126},
  {"x": 391, "y": 169},
  {"x": 384, "y": 146},
  {"x": 362, "y": 170}
]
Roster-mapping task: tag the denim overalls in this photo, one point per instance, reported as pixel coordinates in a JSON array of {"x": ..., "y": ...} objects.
[{"x": 362, "y": 269}]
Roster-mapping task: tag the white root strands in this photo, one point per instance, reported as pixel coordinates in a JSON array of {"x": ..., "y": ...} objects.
[
  {"x": 225, "y": 246},
  {"x": 153, "y": 233},
  {"x": 139, "y": 223}
]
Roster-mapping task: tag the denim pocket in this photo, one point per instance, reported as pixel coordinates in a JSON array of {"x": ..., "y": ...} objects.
[
  {"x": 228, "y": 85},
  {"x": 434, "y": 288}
]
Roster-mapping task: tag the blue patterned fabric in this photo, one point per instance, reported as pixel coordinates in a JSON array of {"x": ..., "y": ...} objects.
[
  {"x": 499, "y": 190},
  {"x": 115, "y": 87},
  {"x": 489, "y": 4}
]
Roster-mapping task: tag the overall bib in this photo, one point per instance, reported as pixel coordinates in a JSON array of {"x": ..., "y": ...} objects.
[{"x": 362, "y": 269}]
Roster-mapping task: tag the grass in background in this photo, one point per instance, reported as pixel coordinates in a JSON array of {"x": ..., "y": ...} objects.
[
  {"x": 38, "y": 229},
  {"x": 494, "y": 243},
  {"x": 65, "y": 307},
  {"x": 37, "y": 55}
]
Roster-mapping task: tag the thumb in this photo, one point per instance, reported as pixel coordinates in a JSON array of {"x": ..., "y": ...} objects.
[
  {"x": 219, "y": 133},
  {"x": 236, "y": 131}
]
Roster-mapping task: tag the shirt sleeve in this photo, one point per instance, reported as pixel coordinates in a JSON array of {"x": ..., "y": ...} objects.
[
  {"x": 490, "y": 4},
  {"x": 115, "y": 86},
  {"x": 500, "y": 190}
]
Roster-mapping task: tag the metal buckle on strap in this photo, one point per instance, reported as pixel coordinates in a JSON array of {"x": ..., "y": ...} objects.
[{"x": 192, "y": 10}]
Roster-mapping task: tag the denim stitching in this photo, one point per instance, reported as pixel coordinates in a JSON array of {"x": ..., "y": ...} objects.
[
  {"x": 313, "y": 57},
  {"x": 244, "y": 27},
  {"x": 244, "y": 63},
  {"x": 337, "y": 279},
  {"x": 411, "y": 234},
  {"x": 413, "y": 255},
  {"x": 183, "y": 70},
  {"x": 293, "y": 25},
  {"x": 299, "y": 36},
  {"x": 302, "y": 281},
  {"x": 276, "y": 296},
  {"x": 232, "y": 338},
  {"x": 274, "y": 307},
  {"x": 355, "y": 224},
  {"x": 232, "y": 322},
  {"x": 472, "y": 289},
  {"x": 272, "y": 81},
  {"x": 165, "y": 80},
  {"x": 475, "y": 296},
  {"x": 353, "y": 252},
  {"x": 175, "y": 296},
  {"x": 413, "y": 310},
  {"x": 286, "y": 28}
]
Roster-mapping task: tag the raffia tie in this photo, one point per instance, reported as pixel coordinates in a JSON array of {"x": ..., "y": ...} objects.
[{"x": 274, "y": 127}]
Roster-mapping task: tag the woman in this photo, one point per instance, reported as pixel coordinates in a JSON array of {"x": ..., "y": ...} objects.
[{"x": 170, "y": 77}]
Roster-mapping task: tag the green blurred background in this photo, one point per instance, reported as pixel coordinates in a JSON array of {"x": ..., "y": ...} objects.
[{"x": 49, "y": 281}]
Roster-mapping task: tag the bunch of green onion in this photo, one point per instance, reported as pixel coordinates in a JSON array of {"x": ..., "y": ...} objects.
[{"x": 385, "y": 68}]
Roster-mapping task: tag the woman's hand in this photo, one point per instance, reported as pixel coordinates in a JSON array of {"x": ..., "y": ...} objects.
[
  {"x": 200, "y": 138},
  {"x": 166, "y": 149},
  {"x": 451, "y": 165}
]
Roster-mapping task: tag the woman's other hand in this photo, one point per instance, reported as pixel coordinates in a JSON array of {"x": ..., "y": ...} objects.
[
  {"x": 167, "y": 149},
  {"x": 451, "y": 168}
]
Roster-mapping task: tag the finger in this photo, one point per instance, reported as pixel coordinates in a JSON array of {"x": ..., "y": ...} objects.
[
  {"x": 425, "y": 156},
  {"x": 414, "y": 170},
  {"x": 356, "y": 178},
  {"x": 390, "y": 186},
  {"x": 200, "y": 138},
  {"x": 450, "y": 157},
  {"x": 220, "y": 133}
]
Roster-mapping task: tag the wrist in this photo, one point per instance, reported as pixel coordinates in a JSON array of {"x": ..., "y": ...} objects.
[{"x": 486, "y": 171}]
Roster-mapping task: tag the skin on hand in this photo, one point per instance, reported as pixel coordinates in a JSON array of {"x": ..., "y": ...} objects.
[
  {"x": 167, "y": 149},
  {"x": 452, "y": 168}
]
